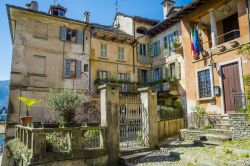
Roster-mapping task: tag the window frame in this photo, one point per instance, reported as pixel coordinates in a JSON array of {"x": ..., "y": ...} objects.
[
  {"x": 211, "y": 82},
  {"x": 101, "y": 73},
  {"x": 156, "y": 49},
  {"x": 143, "y": 49},
  {"x": 103, "y": 50},
  {"x": 121, "y": 53}
]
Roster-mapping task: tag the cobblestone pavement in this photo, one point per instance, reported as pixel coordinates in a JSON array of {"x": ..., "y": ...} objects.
[{"x": 187, "y": 154}]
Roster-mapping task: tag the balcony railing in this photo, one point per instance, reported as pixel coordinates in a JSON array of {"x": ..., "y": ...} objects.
[
  {"x": 145, "y": 59},
  {"x": 234, "y": 34}
]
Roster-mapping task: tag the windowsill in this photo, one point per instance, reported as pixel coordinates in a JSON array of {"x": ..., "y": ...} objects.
[
  {"x": 71, "y": 42},
  {"x": 104, "y": 58},
  {"x": 37, "y": 75},
  {"x": 206, "y": 99},
  {"x": 71, "y": 78},
  {"x": 40, "y": 37},
  {"x": 123, "y": 61}
]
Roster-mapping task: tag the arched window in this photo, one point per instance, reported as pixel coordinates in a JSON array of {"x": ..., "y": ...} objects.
[{"x": 141, "y": 30}]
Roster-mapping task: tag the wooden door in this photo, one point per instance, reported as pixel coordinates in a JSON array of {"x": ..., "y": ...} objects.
[{"x": 231, "y": 84}]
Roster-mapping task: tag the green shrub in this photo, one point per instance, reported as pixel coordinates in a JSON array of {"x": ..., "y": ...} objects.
[
  {"x": 199, "y": 113},
  {"x": 65, "y": 102},
  {"x": 56, "y": 142}
]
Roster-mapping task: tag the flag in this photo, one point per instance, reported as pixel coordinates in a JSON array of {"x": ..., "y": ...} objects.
[{"x": 195, "y": 45}]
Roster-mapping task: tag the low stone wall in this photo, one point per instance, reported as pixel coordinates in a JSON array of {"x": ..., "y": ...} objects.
[
  {"x": 167, "y": 128},
  {"x": 190, "y": 135},
  {"x": 239, "y": 126}
]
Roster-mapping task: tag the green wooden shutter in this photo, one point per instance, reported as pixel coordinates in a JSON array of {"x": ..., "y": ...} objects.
[
  {"x": 166, "y": 46},
  {"x": 150, "y": 49},
  {"x": 139, "y": 75},
  {"x": 78, "y": 69},
  {"x": 158, "y": 47},
  {"x": 149, "y": 75},
  {"x": 79, "y": 37},
  {"x": 67, "y": 63},
  {"x": 63, "y": 33},
  {"x": 161, "y": 72},
  {"x": 178, "y": 70},
  {"x": 138, "y": 52}
]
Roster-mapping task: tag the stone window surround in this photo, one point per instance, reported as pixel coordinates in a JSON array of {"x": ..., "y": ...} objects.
[{"x": 211, "y": 81}]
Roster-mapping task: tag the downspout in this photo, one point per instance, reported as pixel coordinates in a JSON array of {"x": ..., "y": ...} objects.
[
  {"x": 63, "y": 62},
  {"x": 134, "y": 48},
  {"x": 90, "y": 45}
]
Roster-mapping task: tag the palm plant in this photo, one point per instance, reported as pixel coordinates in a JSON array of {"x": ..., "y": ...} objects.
[{"x": 29, "y": 102}]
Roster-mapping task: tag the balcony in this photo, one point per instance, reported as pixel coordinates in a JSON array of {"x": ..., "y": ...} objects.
[{"x": 144, "y": 59}]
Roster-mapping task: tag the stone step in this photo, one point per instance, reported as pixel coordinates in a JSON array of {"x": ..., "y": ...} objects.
[
  {"x": 221, "y": 126},
  {"x": 215, "y": 138},
  {"x": 128, "y": 159},
  {"x": 224, "y": 132}
]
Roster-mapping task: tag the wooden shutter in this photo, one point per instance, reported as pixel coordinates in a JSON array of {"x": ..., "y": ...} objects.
[
  {"x": 98, "y": 74},
  {"x": 63, "y": 33},
  {"x": 150, "y": 49},
  {"x": 138, "y": 52},
  {"x": 149, "y": 75},
  {"x": 158, "y": 47},
  {"x": 78, "y": 69},
  {"x": 109, "y": 74},
  {"x": 139, "y": 75},
  {"x": 178, "y": 70},
  {"x": 165, "y": 72},
  {"x": 166, "y": 46},
  {"x": 161, "y": 72},
  {"x": 79, "y": 37},
  {"x": 67, "y": 63}
]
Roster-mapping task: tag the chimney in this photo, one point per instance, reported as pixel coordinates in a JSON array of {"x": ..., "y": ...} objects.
[
  {"x": 33, "y": 5},
  {"x": 167, "y": 6},
  {"x": 86, "y": 17}
]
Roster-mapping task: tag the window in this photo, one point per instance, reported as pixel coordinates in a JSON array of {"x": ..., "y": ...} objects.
[
  {"x": 143, "y": 49},
  {"x": 103, "y": 74},
  {"x": 166, "y": 46},
  {"x": 122, "y": 76},
  {"x": 121, "y": 53},
  {"x": 72, "y": 68},
  {"x": 171, "y": 39},
  {"x": 104, "y": 51},
  {"x": 156, "y": 48},
  {"x": 141, "y": 30},
  {"x": 172, "y": 70},
  {"x": 41, "y": 30},
  {"x": 71, "y": 35},
  {"x": 204, "y": 79},
  {"x": 230, "y": 28},
  {"x": 157, "y": 74},
  {"x": 86, "y": 68}
]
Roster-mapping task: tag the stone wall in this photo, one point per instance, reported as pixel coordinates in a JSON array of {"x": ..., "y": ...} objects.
[
  {"x": 239, "y": 126},
  {"x": 190, "y": 135}
]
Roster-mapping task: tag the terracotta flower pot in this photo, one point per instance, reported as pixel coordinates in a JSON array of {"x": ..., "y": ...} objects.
[
  {"x": 222, "y": 48},
  {"x": 234, "y": 44},
  {"x": 204, "y": 53},
  {"x": 26, "y": 120}
]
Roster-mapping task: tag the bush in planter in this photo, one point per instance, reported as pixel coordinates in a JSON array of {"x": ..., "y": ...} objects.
[
  {"x": 199, "y": 113},
  {"x": 88, "y": 112},
  {"x": 65, "y": 102}
]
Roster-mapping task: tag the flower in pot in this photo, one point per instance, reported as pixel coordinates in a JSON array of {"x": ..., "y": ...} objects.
[
  {"x": 204, "y": 53},
  {"x": 177, "y": 44},
  {"x": 65, "y": 102},
  {"x": 28, "y": 102},
  {"x": 234, "y": 44},
  {"x": 222, "y": 48}
]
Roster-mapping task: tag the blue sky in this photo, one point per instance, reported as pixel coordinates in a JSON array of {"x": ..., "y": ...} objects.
[{"x": 101, "y": 11}]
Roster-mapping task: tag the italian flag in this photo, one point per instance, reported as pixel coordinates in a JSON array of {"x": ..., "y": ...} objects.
[{"x": 194, "y": 43}]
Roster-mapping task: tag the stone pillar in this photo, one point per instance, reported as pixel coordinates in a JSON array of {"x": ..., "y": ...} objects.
[
  {"x": 213, "y": 28},
  {"x": 109, "y": 99},
  {"x": 38, "y": 142},
  {"x": 149, "y": 102},
  {"x": 75, "y": 140},
  {"x": 239, "y": 127}
]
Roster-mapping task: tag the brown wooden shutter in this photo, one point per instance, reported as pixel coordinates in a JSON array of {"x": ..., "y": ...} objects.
[{"x": 79, "y": 37}]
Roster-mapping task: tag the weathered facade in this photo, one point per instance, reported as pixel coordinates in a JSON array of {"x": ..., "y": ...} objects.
[{"x": 217, "y": 74}]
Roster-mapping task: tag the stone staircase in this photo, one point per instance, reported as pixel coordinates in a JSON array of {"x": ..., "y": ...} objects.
[
  {"x": 216, "y": 136},
  {"x": 128, "y": 160}
]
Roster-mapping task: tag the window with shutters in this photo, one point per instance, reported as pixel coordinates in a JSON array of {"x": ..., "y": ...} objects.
[
  {"x": 172, "y": 38},
  {"x": 104, "y": 51},
  {"x": 71, "y": 35},
  {"x": 103, "y": 74},
  {"x": 73, "y": 68},
  {"x": 122, "y": 76},
  {"x": 121, "y": 53},
  {"x": 156, "y": 48},
  {"x": 166, "y": 46},
  {"x": 143, "y": 51},
  {"x": 204, "y": 81}
]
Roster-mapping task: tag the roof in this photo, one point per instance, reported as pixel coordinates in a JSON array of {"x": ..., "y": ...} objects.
[
  {"x": 94, "y": 25},
  {"x": 139, "y": 18},
  {"x": 176, "y": 17}
]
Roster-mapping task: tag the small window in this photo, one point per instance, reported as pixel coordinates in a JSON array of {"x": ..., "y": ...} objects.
[
  {"x": 103, "y": 74},
  {"x": 104, "y": 52},
  {"x": 121, "y": 53},
  {"x": 72, "y": 68},
  {"x": 204, "y": 80},
  {"x": 172, "y": 70},
  {"x": 157, "y": 75},
  {"x": 141, "y": 30},
  {"x": 143, "y": 49},
  {"x": 86, "y": 68},
  {"x": 156, "y": 48},
  {"x": 71, "y": 35}
]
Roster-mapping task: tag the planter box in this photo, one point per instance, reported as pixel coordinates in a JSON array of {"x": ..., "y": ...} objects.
[
  {"x": 35, "y": 125},
  {"x": 50, "y": 125}
]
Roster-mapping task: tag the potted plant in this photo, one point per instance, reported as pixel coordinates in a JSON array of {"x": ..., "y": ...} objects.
[
  {"x": 204, "y": 53},
  {"x": 28, "y": 102},
  {"x": 234, "y": 44},
  {"x": 88, "y": 114},
  {"x": 65, "y": 102},
  {"x": 177, "y": 44},
  {"x": 222, "y": 48}
]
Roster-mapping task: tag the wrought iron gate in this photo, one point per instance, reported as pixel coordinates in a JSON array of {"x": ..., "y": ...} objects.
[{"x": 133, "y": 121}]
